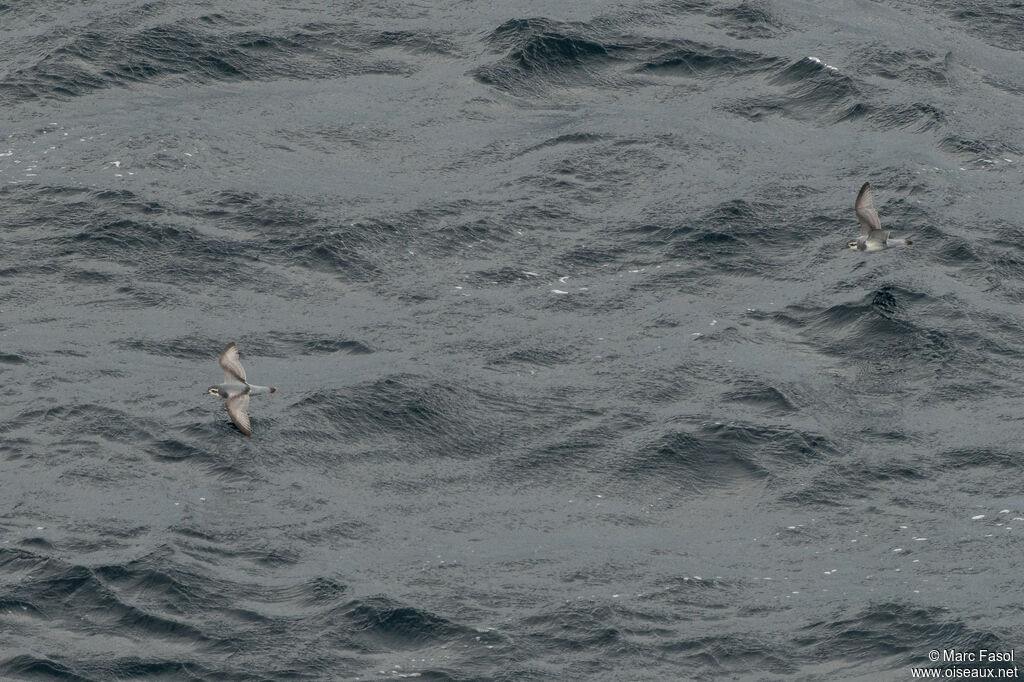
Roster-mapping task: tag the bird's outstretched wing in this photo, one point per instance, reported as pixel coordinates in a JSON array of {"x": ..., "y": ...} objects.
[
  {"x": 864, "y": 207},
  {"x": 878, "y": 237},
  {"x": 238, "y": 410},
  {"x": 230, "y": 363}
]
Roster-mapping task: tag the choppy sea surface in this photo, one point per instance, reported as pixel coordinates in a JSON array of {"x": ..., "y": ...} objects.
[{"x": 577, "y": 379}]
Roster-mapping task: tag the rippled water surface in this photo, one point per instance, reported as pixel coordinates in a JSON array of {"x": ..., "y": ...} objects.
[{"x": 576, "y": 376}]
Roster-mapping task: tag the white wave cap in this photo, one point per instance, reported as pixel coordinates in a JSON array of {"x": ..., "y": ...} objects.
[{"x": 827, "y": 66}]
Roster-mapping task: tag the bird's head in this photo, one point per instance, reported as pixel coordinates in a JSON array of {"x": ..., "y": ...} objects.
[{"x": 213, "y": 390}]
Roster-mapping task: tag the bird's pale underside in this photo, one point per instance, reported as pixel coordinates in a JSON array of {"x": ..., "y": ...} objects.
[{"x": 236, "y": 389}]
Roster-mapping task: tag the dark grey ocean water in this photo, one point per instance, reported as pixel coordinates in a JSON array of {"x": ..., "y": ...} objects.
[{"x": 576, "y": 377}]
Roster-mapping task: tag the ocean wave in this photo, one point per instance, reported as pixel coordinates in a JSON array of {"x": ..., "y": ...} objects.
[
  {"x": 715, "y": 455},
  {"x": 730, "y": 234},
  {"x": 542, "y": 53},
  {"x": 910, "y": 66},
  {"x": 185, "y": 614},
  {"x": 749, "y": 19},
  {"x": 122, "y": 53},
  {"x": 428, "y": 417},
  {"x": 881, "y": 322},
  {"x": 762, "y": 396},
  {"x": 998, "y": 23},
  {"x": 811, "y": 91},
  {"x": 984, "y": 151},
  {"x": 685, "y": 58},
  {"x": 894, "y": 629},
  {"x": 915, "y": 117}
]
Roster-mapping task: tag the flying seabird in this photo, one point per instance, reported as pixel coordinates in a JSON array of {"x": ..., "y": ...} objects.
[
  {"x": 236, "y": 390},
  {"x": 872, "y": 236}
]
